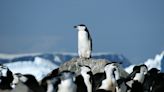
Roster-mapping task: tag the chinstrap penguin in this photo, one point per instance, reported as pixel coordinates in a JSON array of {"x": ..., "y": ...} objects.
[
  {"x": 136, "y": 78},
  {"x": 84, "y": 41},
  {"x": 28, "y": 81},
  {"x": 6, "y": 78},
  {"x": 67, "y": 83},
  {"x": 109, "y": 83},
  {"x": 154, "y": 81},
  {"x": 51, "y": 76},
  {"x": 63, "y": 82},
  {"x": 85, "y": 80}
]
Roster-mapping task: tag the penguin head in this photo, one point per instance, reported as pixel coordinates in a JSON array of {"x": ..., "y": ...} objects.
[
  {"x": 16, "y": 79},
  {"x": 3, "y": 71},
  {"x": 139, "y": 69},
  {"x": 111, "y": 70},
  {"x": 138, "y": 73},
  {"x": 6, "y": 77},
  {"x": 53, "y": 73},
  {"x": 144, "y": 69},
  {"x": 110, "y": 67},
  {"x": 80, "y": 27},
  {"x": 66, "y": 75},
  {"x": 85, "y": 69},
  {"x": 153, "y": 71},
  {"x": 5, "y": 74}
]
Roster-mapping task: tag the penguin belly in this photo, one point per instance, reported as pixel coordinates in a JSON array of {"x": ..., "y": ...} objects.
[{"x": 84, "y": 48}]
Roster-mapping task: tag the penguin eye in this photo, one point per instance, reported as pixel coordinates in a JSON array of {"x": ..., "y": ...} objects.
[
  {"x": 114, "y": 69},
  {"x": 89, "y": 73},
  {"x": 137, "y": 71}
]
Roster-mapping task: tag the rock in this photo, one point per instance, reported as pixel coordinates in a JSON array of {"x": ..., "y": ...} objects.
[{"x": 97, "y": 65}]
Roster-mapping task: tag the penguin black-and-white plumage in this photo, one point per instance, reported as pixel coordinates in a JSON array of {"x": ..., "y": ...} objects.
[
  {"x": 158, "y": 83},
  {"x": 121, "y": 85},
  {"x": 84, "y": 41},
  {"x": 51, "y": 76},
  {"x": 137, "y": 78},
  {"x": 150, "y": 79},
  {"x": 98, "y": 78},
  {"x": 52, "y": 84},
  {"x": 109, "y": 83},
  {"x": 6, "y": 78},
  {"x": 63, "y": 82},
  {"x": 118, "y": 74},
  {"x": 28, "y": 81},
  {"x": 154, "y": 81},
  {"x": 85, "y": 80},
  {"x": 67, "y": 83}
]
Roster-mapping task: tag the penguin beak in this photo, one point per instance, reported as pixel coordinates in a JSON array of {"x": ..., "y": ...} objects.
[
  {"x": 80, "y": 65},
  {"x": 131, "y": 75},
  {"x": 75, "y": 26}
]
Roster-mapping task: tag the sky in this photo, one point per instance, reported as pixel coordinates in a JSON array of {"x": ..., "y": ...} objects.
[{"x": 134, "y": 28}]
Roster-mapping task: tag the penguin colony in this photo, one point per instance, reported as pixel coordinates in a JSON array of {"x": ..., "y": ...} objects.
[{"x": 140, "y": 80}]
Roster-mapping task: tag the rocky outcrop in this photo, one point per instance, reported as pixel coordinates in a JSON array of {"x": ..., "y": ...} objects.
[{"x": 97, "y": 65}]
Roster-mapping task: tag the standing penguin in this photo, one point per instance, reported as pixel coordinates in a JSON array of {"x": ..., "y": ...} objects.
[{"x": 84, "y": 41}]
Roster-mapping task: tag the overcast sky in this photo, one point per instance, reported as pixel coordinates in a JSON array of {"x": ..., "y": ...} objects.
[{"x": 134, "y": 28}]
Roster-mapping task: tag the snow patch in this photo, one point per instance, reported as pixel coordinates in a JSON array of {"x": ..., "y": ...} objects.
[
  {"x": 129, "y": 69},
  {"x": 150, "y": 63},
  {"x": 39, "y": 67}
]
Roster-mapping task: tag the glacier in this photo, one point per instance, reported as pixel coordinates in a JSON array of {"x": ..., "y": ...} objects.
[
  {"x": 156, "y": 62},
  {"x": 40, "y": 67}
]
